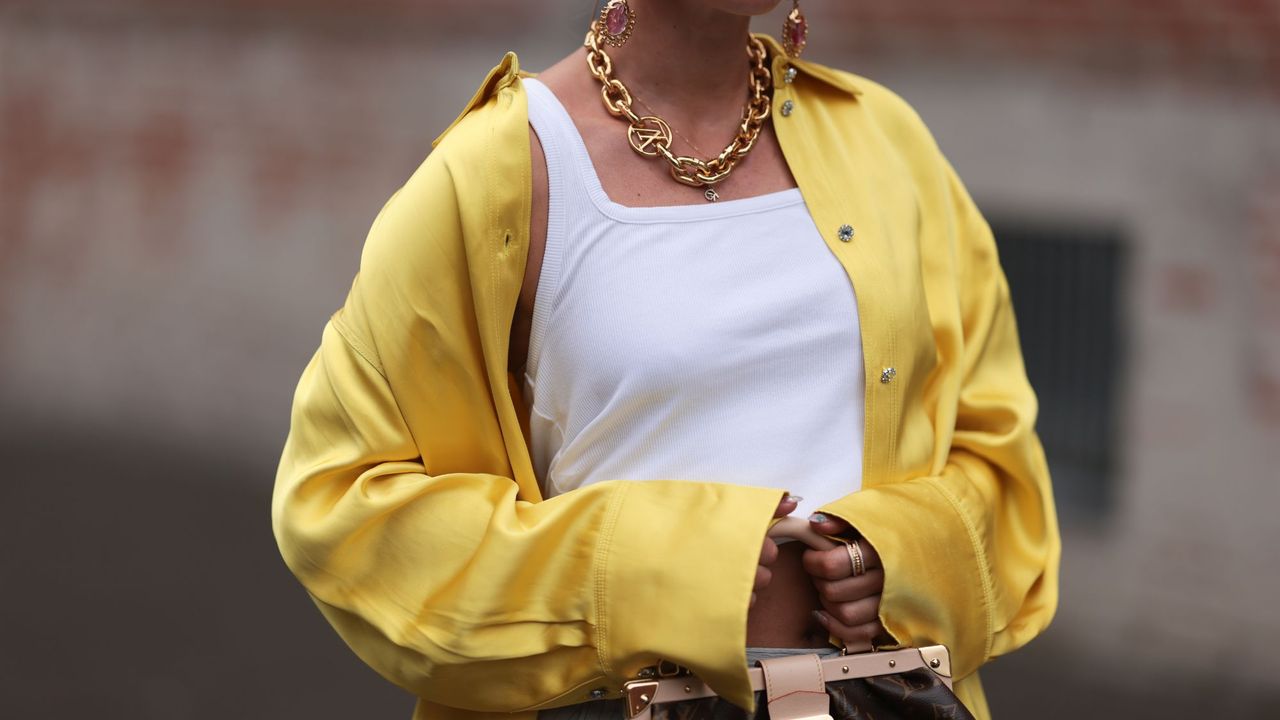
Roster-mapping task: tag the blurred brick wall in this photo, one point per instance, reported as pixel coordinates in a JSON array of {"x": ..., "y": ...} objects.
[
  {"x": 1228, "y": 42},
  {"x": 1264, "y": 357},
  {"x": 184, "y": 189}
]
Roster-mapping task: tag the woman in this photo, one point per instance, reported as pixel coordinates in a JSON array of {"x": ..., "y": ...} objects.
[{"x": 579, "y": 374}]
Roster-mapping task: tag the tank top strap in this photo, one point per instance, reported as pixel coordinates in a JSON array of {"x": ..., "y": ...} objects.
[
  {"x": 566, "y": 172},
  {"x": 557, "y": 135}
]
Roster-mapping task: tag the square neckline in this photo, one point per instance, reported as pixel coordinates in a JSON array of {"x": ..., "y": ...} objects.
[{"x": 647, "y": 213}]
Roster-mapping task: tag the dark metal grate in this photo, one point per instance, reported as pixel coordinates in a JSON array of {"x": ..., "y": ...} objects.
[{"x": 1065, "y": 281}]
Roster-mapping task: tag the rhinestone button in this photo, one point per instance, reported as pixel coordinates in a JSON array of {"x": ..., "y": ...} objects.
[
  {"x": 789, "y": 75},
  {"x": 845, "y": 233},
  {"x": 787, "y": 107},
  {"x": 597, "y": 693},
  {"x": 887, "y": 375}
]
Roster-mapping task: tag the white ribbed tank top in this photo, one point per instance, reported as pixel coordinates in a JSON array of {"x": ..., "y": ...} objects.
[{"x": 717, "y": 341}]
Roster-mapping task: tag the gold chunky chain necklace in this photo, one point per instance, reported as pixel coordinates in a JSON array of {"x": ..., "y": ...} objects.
[{"x": 650, "y": 135}]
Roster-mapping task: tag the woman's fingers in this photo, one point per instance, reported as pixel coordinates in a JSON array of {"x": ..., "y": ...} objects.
[
  {"x": 836, "y": 563},
  {"x": 763, "y": 576},
  {"x": 768, "y": 552},
  {"x": 828, "y": 525},
  {"x": 787, "y": 505},
  {"x": 851, "y": 605},
  {"x": 826, "y": 564},
  {"x": 852, "y": 614},
  {"x": 857, "y": 638},
  {"x": 769, "y": 549},
  {"x": 869, "y": 554},
  {"x": 850, "y": 589}
]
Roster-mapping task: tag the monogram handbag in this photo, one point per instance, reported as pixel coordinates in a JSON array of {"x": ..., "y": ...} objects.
[{"x": 906, "y": 683}]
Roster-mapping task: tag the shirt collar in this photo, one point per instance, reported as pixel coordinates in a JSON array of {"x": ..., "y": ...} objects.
[
  {"x": 840, "y": 80},
  {"x": 502, "y": 75}
]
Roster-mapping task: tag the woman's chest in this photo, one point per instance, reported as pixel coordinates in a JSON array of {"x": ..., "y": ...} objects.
[{"x": 755, "y": 300}]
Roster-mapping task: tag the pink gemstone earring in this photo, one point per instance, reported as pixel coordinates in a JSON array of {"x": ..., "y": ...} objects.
[
  {"x": 795, "y": 31},
  {"x": 617, "y": 20}
]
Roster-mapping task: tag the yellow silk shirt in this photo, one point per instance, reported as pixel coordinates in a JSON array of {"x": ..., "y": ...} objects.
[{"x": 406, "y": 502}]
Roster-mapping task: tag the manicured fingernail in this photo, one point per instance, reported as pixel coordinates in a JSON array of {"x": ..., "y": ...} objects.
[
  {"x": 797, "y": 498},
  {"x": 817, "y": 615},
  {"x": 817, "y": 517}
]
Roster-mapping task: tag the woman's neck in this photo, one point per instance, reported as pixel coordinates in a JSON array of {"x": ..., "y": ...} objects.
[{"x": 688, "y": 62}]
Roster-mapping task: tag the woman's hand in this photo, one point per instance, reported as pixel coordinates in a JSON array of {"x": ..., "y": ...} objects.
[
  {"x": 769, "y": 552},
  {"x": 852, "y": 603}
]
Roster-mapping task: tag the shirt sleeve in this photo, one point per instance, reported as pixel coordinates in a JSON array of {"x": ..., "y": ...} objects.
[
  {"x": 396, "y": 508},
  {"x": 970, "y": 553}
]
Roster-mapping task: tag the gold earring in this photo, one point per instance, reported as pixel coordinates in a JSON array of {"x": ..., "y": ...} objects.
[
  {"x": 795, "y": 31},
  {"x": 617, "y": 20}
]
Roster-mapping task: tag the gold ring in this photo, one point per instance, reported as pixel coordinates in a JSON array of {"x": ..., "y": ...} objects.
[{"x": 855, "y": 557}]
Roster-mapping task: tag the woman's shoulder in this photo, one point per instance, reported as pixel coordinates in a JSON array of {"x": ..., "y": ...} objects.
[
  {"x": 874, "y": 101},
  {"x": 449, "y": 225},
  {"x": 472, "y": 165},
  {"x": 492, "y": 103}
]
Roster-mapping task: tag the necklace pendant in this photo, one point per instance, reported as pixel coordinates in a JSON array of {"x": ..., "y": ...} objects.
[
  {"x": 711, "y": 195},
  {"x": 648, "y": 135}
]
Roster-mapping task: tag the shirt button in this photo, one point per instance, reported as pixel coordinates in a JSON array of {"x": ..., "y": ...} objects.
[
  {"x": 887, "y": 375},
  {"x": 845, "y": 233},
  {"x": 789, "y": 75},
  {"x": 787, "y": 107}
]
